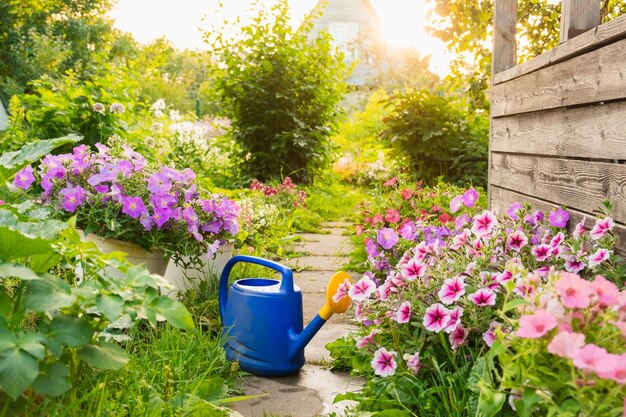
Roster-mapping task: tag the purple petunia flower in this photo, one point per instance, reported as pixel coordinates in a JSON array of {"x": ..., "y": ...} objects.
[
  {"x": 71, "y": 198},
  {"x": 24, "y": 178},
  {"x": 133, "y": 206},
  {"x": 469, "y": 197},
  {"x": 387, "y": 237},
  {"x": 513, "y": 210},
  {"x": 159, "y": 183},
  {"x": 407, "y": 231},
  {"x": 559, "y": 218},
  {"x": 161, "y": 216}
]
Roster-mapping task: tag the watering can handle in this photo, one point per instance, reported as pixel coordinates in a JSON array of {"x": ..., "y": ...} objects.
[{"x": 286, "y": 285}]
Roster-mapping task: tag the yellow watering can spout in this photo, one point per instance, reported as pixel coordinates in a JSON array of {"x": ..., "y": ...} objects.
[{"x": 331, "y": 307}]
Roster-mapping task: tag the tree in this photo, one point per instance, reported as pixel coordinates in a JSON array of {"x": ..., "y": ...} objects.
[
  {"x": 466, "y": 26},
  {"x": 281, "y": 92}
]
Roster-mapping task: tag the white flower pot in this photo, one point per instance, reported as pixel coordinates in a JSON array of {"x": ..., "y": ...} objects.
[{"x": 184, "y": 280}]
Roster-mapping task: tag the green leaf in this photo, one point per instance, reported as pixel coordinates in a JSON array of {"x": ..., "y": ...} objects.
[
  {"x": 392, "y": 413},
  {"x": 110, "y": 305},
  {"x": 18, "y": 370},
  {"x": 174, "y": 311},
  {"x": 513, "y": 304},
  {"x": 53, "y": 380},
  {"x": 22, "y": 239},
  {"x": 104, "y": 355},
  {"x": 12, "y": 162},
  {"x": 7, "y": 340},
  {"x": 8, "y": 270},
  {"x": 69, "y": 330},
  {"x": 31, "y": 343},
  {"x": 490, "y": 402},
  {"x": 47, "y": 295}
]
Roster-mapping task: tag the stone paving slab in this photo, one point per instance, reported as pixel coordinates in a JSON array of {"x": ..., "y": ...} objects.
[
  {"x": 337, "y": 225},
  {"x": 318, "y": 263},
  {"x": 287, "y": 396},
  {"x": 330, "y": 245}
]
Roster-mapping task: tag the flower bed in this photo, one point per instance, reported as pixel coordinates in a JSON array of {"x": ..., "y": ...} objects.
[{"x": 428, "y": 322}]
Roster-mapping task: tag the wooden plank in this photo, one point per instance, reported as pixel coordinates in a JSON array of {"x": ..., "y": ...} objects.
[
  {"x": 597, "y": 132},
  {"x": 602, "y": 35},
  {"x": 582, "y": 185},
  {"x": 504, "y": 46},
  {"x": 597, "y": 76},
  {"x": 578, "y": 16},
  {"x": 501, "y": 200}
]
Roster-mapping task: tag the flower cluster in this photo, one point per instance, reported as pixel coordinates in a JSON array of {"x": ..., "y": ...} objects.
[
  {"x": 450, "y": 285},
  {"x": 287, "y": 193},
  {"x": 122, "y": 197}
]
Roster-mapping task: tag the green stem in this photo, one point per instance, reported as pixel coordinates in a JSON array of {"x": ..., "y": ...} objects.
[{"x": 448, "y": 351}]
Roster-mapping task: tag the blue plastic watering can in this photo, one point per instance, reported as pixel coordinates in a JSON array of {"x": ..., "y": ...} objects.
[{"x": 262, "y": 319}]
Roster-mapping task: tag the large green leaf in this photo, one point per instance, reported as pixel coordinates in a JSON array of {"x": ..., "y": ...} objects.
[
  {"x": 104, "y": 355},
  {"x": 70, "y": 331},
  {"x": 48, "y": 295},
  {"x": 18, "y": 369},
  {"x": 53, "y": 380},
  {"x": 12, "y": 162},
  {"x": 174, "y": 311},
  {"x": 8, "y": 270},
  {"x": 110, "y": 305},
  {"x": 22, "y": 239}
]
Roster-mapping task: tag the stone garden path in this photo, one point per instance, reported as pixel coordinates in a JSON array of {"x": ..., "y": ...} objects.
[{"x": 311, "y": 391}]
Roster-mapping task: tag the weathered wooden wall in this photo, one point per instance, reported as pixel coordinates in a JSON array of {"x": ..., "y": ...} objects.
[{"x": 558, "y": 127}]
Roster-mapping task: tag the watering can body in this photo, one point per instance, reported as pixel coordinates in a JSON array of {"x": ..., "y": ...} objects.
[{"x": 262, "y": 320}]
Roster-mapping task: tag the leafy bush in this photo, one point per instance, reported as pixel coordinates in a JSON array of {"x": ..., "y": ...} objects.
[
  {"x": 434, "y": 137},
  {"x": 281, "y": 91}
]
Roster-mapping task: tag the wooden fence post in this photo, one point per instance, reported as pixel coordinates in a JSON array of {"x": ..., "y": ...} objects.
[
  {"x": 578, "y": 16},
  {"x": 504, "y": 46}
]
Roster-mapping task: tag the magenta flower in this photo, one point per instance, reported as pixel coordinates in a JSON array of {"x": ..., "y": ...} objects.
[
  {"x": 469, "y": 197},
  {"x": 484, "y": 223},
  {"x": 71, "y": 198},
  {"x": 602, "y": 227},
  {"x": 342, "y": 290},
  {"x": 163, "y": 201},
  {"x": 558, "y": 217},
  {"x": 384, "y": 362},
  {"x": 451, "y": 290},
  {"x": 566, "y": 344},
  {"x": 24, "y": 178},
  {"x": 573, "y": 264},
  {"x": 133, "y": 206},
  {"x": 362, "y": 289},
  {"x": 146, "y": 220},
  {"x": 490, "y": 335},
  {"x": 403, "y": 315},
  {"x": 436, "y": 318},
  {"x": 392, "y": 216},
  {"x": 513, "y": 210},
  {"x": 579, "y": 229},
  {"x": 461, "y": 221},
  {"x": 574, "y": 291},
  {"x": 455, "y": 319},
  {"x": 517, "y": 240},
  {"x": 598, "y": 257},
  {"x": 407, "y": 230},
  {"x": 616, "y": 372},
  {"x": 456, "y": 203},
  {"x": 387, "y": 238},
  {"x": 483, "y": 297},
  {"x": 413, "y": 269},
  {"x": 413, "y": 363},
  {"x": 608, "y": 294},
  {"x": 159, "y": 183},
  {"x": 541, "y": 252},
  {"x": 190, "y": 215},
  {"x": 458, "y": 336},
  {"x": 367, "y": 340},
  {"x": 593, "y": 357},
  {"x": 536, "y": 325},
  {"x": 160, "y": 217}
]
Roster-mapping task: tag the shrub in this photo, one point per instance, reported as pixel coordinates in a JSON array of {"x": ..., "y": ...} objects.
[
  {"x": 281, "y": 91},
  {"x": 433, "y": 137}
]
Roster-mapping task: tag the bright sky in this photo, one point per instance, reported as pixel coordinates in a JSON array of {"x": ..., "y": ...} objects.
[{"x": 179, "y": 20}]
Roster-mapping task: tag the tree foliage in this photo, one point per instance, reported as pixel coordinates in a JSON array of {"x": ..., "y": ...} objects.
[
  {"x": 281, "y": 91},
  {"x": 466, "y": 26}
]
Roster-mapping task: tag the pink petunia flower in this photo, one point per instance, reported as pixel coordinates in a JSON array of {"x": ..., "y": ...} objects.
[
  {"x": 592, "y": 357},
  {"x": 413, "y": 363},
  {"x": 384, "y": 362},
  {"x": 484, "y": 223},
  {"x": 342, "y": 290},
  {"x": 574, "y": 291},
  {"x": 536, "y": 325},
  {"x": 469, "y": 197},
  {"x": 541, "y": 252},
  {"x": 602, "y": 227},
  {"x": 455, "y": 319},
  {"x": 598, "y": 257},
  {"x": 579, "y": 229},
  {"x": 490, "y": 335},
  {"x": 558, "y": 217},
  {"x": 403, "y": 315},
  {"x": 517, "y": 240},
  {"x": 451, "y": 290},
  {"x": 483, "y": 297},
  {"x": 362, "y": 289},
  {"x": 616, "y": 370},
  {"x": 458, "y": 336},
  {"x": 413, "y": 269},
  {"x": 436, "y": 318},
  {"x": 408, "y": 230},
  {"x": 456, "y": 203},
  {"x": 608, "y": 294},
  {"x": 566, "y": 344},
  {"x": 367, "y": 340},
  {"x": 573, "y": 264},
  {"x": 392, "y": 216}
]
